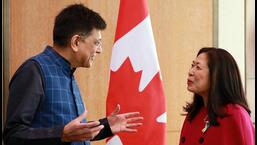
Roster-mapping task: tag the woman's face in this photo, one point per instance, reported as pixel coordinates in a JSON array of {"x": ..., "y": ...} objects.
[{"x": 198, "y": 76}]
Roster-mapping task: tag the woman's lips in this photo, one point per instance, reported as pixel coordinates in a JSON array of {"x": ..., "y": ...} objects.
[{"x": 189, "y": 82}]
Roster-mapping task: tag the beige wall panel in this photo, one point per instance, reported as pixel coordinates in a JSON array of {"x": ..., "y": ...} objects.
[
  {"x": 31, "y": 25},
  {"x": 180, "y": 28},
  {"x": 173, "y": 137}
]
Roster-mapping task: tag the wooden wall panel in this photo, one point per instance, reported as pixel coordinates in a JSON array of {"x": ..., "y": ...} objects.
[{"x": 180, "y": 28}]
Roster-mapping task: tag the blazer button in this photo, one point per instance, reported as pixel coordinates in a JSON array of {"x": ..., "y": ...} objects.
[
  {"x": 183, "y": 139},
  {"x": 201, "y": 139}
]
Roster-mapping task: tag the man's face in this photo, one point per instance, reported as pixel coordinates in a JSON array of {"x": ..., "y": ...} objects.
[{"x": 88, "y": 47}]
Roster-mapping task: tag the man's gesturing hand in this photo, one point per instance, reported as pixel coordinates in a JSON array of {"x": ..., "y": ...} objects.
[
  {"x": 124, "y": 122},
  {"x": 78, "y": 131}
]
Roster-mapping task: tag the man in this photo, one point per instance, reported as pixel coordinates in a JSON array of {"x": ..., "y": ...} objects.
[{"x": 45, "y": 106}]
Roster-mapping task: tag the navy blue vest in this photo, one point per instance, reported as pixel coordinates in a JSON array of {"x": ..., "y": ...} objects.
[{"x": 62, "y": 102}]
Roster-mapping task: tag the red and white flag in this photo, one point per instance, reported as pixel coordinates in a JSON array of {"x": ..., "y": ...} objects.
[{"x": 135, "y": 78}]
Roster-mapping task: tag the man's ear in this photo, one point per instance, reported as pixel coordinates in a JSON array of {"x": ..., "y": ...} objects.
[{"x": 75, "y": 42}]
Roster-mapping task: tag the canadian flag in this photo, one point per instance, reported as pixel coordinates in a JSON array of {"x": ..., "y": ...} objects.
[{"x": 135, "y": 78}]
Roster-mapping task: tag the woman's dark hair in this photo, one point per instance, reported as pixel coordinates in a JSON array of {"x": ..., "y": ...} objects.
[
  {"x": 75, "y": 19},
  {"x": 225, "y": 86}
]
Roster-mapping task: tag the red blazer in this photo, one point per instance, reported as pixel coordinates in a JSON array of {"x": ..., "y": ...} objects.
[{"x": 235, "y": 129}]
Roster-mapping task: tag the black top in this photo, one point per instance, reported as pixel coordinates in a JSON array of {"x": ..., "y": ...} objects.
[{"x": 25, "y": 92}]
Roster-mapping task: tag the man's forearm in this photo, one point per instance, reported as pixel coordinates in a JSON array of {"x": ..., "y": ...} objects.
[{"x": 21, "y": 135}]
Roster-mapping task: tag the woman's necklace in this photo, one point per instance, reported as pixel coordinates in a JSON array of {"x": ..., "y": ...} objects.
[{"x": 207, "y": 124}]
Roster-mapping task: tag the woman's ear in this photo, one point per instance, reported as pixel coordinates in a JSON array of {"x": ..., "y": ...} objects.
[{"x": 75, "y": 42}]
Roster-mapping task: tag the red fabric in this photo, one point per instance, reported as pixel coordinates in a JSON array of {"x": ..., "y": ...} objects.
[
  {"x": 131, "y": 13},
  {"x": 150, "y": 103},
  {"x": 124, "y": 83},
  {"x": 236, "y": 129}
]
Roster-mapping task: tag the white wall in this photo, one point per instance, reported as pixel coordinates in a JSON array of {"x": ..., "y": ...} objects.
[
  {"x": 231, "y": 30},
  {"x": 230, "y": 34},
  {"x": 250, "y": 54}
]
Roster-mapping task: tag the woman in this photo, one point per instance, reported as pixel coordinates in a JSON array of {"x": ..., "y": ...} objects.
[{"x": 219, "y": 114}]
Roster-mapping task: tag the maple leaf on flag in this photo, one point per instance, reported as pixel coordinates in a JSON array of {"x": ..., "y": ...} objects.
[
  {"x": 130, "y": 100},
  {"x": 135, "y": 79}
]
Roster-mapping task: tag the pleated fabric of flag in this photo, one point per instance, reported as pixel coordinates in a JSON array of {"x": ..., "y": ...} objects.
[{"x": 135, "y": 78}]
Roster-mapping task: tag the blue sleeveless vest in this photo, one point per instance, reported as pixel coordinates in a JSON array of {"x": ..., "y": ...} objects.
[{"x": 62, "y": 102}]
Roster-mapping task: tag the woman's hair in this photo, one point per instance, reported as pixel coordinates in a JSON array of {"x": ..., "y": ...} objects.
[{"x": 225, "y": 86}]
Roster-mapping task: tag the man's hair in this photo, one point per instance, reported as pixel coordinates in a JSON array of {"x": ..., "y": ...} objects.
[
  {"x": 225, "y": 85},
  {"x": 75, "y": 19}
]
